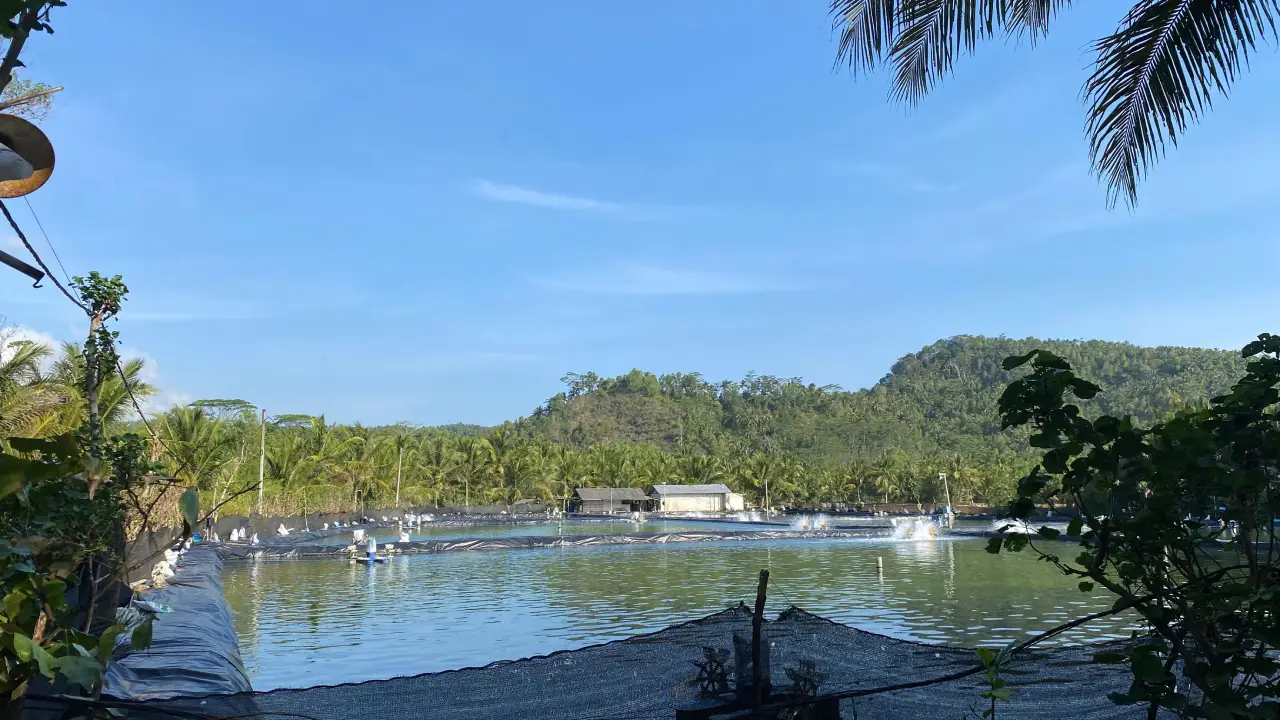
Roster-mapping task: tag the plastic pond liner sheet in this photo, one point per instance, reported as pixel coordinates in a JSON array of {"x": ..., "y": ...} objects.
[
  {"x": 193, "y": 650},
  {"x": 307, "y": 546},
  {"x": 697, "y": 665}
]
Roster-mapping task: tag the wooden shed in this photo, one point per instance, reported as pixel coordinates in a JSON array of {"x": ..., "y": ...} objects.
[{"x": 607, "y": 501}]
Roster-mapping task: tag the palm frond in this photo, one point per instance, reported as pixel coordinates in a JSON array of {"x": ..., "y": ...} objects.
[
  {"x": 1158, "y": 72},
  {"x": 867, "y": 29},
  {"x": 1031, "y": 17},
  {"x": 932, "y": 33},
  {"x": 924, "y": 37}
]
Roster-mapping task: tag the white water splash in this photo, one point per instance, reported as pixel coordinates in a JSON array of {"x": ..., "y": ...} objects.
[
  {"x": 749, "y": 516},
  {"x": 811, "y": 522},
  {"x": 913, "y": 529},
  {"x": 1012, "y": 527}
]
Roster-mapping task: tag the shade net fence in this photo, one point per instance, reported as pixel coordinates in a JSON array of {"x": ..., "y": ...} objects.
[
  {"x": 691, "y": 670},
  {"x": 314, "y": 545}
]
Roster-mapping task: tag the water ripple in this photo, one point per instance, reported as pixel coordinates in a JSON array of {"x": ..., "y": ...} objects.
[{"x": 309, "y": 622}]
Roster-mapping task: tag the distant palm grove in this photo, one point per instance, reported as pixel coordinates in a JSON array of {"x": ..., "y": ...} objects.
[{"x": 935, "y": 412}]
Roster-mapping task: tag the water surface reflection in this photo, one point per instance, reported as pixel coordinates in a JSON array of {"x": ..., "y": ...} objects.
[{"x": 311, "y": 622}]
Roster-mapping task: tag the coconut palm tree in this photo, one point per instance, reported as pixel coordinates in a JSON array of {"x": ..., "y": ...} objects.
[
  {"x": 854, "y": 477},
  {"x": 114, "y": 401},
  {"x": 31, "y": 405},
  {"x": 437, "y": 460},
  {"x": 196, "y": 444},
  {"x": 1154, "y": 75},
  {"x": 476, "y": 456}
]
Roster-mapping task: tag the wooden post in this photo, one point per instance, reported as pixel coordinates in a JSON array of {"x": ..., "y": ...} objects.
[{"x": 757, "y": 654}]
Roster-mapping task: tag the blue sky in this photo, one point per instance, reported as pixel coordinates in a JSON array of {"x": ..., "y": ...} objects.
[{"x": 431, "y": 212}]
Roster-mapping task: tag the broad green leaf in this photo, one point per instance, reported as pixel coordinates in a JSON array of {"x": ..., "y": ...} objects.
[
  {"x": 1084, "y": 389},
  {"x": 141, "y": 637},
  {"x": 986, "y": 656},
  {"x": 190, "y": 503},
  {"x": 1074, "y": 527},
  {"x": 13, "y": 603},
  {"x": 1001, "y": 693},
  {"x": 55, "y": 594},
  {"x": 83, "y": 671},
  {"x": 64, "y": 445},
  {"x": 1147, "y": 668},
  {"x": 28, "y": 651},
  {"x": 1049, "y": 533},
  {"x": 1109, "y": 658},
  {"x": 107, "y": 643},
  {"x": 1013, "y": 362},
  {"x": 993, "y": 545},
  {"x": 11, "y": 479},
  {"x": 1086, "y": 586}
]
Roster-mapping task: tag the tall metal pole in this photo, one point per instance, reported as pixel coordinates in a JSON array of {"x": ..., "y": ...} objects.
[
  {"x": 262, "y": 459},
  {"x": 399, "y": 463},
  {"x": 767, "y": 506},
  {"x": 946, "y": 487}
]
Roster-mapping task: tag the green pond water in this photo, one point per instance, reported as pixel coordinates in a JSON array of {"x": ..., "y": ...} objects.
[{"x": 311, "y": 622}]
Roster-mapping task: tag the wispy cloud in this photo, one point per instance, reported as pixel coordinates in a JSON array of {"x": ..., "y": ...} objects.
[
  {"x": 10, "y": 336},
  {"x": 498, "y": 192},
  {"x": 13, "y": 243},
  {"x": 983, "y": 112},
  {"x": 898, "y": 178},
  {"x": 165, "y": 398},
  {"x": 191, "y": 310},
  {"x": 178, "y": 317},
  {"x": 632, "y": 279}
]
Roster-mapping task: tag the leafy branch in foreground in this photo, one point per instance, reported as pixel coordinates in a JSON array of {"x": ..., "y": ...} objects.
[
  {"x": 59, "y": 539},
  {"x": 1208, "y": 592}
]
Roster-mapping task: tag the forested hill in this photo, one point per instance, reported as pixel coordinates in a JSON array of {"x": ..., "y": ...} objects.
[{"x": 941, "y": 399}]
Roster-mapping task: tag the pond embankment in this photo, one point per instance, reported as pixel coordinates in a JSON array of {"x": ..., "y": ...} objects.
[{"x": 194, "y": 650}]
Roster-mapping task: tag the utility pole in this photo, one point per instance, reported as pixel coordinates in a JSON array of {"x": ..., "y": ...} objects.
[
  {"x": 399, "y": 464},
  {"x": 946, "y": 487},
  {"x": 262, "y": 459},
  {"x": 767, "y": 508}
]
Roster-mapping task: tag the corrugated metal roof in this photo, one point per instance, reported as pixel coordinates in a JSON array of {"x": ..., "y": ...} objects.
[
  {"x": 714, "y": 489},
  {"x": 623, "y": 494}
]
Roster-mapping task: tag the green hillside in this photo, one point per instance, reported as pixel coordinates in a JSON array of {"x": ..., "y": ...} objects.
[{"x": 938, "y": 401}]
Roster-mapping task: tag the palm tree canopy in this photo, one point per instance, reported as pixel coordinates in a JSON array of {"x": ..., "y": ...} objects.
[{"x": 1154, "y": 75}]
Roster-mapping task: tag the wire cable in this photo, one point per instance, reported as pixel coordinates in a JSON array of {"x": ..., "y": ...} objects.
[
  {"x": 137, "y": 406},
  {"x": 65, "y": 275},
  {"x": 22, "y": 236}
]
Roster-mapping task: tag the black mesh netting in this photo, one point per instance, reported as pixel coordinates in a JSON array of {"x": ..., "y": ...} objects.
[
  {"x": 312, "y": 544},
  {"x": 656, "y": 675}
]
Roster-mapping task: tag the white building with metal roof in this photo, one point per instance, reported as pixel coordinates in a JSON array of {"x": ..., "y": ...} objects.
[{"x": 695, "y": 498}]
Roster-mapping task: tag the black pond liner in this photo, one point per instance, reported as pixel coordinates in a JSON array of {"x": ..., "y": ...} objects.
[
  {"x": 307, "y": 547},
  {"x": 652, "y": 676},
  {"x": 194, "y": 650}
]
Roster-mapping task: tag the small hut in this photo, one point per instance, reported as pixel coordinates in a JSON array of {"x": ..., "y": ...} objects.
[{"x": 607, "y": 501}]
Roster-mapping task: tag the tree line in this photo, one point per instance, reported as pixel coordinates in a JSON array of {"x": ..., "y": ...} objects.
[{"x": 807, "y": 445}]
